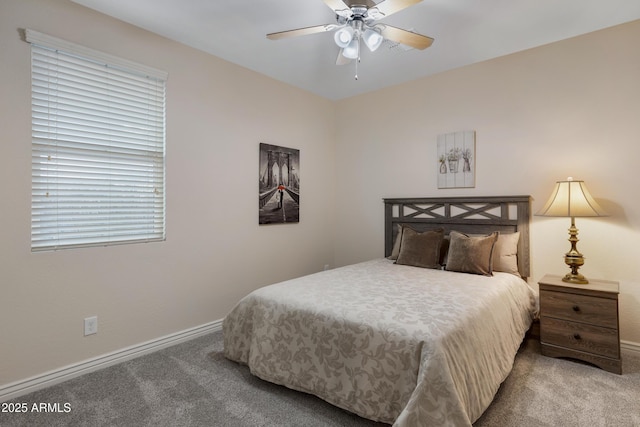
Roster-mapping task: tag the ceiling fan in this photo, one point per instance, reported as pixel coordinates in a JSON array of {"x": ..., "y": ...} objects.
[{"x": 358, "y": 20}]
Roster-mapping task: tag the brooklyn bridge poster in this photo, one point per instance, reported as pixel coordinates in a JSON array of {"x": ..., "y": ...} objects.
[{"x": 279, "y": 184}]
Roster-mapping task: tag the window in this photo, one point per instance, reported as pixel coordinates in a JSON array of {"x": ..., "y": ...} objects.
[{"x": 98, "y": 148}]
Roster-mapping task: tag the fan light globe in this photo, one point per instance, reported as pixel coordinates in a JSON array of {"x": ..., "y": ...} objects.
[
  {"x": 373, "y": 39},
  {"x": 343, "y": 37},
  {"x": 352, "y": 50}
]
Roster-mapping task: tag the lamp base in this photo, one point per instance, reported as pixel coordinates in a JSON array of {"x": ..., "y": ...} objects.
[
  {"x": 576, "y": 279},
  {"x": 574, "y": 258}
]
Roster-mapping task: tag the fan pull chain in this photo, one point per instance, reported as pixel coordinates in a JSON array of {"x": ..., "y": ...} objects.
[{"x": 357, "y": 61}]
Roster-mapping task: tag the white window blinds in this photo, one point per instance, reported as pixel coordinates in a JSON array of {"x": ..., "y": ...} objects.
[{"x": 98, "y": 148}]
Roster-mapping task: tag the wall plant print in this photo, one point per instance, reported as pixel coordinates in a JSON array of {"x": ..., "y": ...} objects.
[
  {"x": 279, "y": 185},
  {"x": 456, "y": 160}
]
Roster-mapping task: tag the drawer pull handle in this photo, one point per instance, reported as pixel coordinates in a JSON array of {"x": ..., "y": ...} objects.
[
  {"x": 576, "y": 308},
  {"x": 577, "y": 336}
]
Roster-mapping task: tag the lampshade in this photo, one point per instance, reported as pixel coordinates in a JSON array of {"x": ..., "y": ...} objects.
[
  {"x": 372, "y": 38},
  {"x": 571, "y": 199},
  {"x": 343, "y": 36},
  {"x": 353, "y": 49}
]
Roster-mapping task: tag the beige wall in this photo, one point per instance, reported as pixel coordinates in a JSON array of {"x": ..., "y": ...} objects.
[
  {"x": 215, "y": 252},
  {"x": 567, "y": 109}
]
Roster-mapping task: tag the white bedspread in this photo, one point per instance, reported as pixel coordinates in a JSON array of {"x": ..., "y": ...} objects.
[{"x": 391, "y": 343}]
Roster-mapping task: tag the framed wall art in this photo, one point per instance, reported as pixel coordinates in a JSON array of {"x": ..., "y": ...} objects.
[
  {"x": 279, "y": 185},
  {"x": 456, "y": 160}
]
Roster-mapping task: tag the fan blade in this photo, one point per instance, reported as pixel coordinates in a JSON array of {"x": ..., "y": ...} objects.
[
  {"x": 339, "y": 7},
  {"x": 415, "y": 40},
  {"x": 301, "y": 31},
  {"x": 388, "y": 7},
  {"x": 341, "y": 59}
]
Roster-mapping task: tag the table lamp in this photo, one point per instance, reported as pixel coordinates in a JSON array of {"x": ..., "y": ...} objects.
[{"x": 572, "y": 199}]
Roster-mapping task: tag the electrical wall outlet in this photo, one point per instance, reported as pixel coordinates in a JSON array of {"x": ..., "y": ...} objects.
[
  {"x": 326, "y": 267},
  {"x": 90, "y": 325}
]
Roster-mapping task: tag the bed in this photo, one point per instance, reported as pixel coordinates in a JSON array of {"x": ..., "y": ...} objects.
[{"x": 408, "y": 339}]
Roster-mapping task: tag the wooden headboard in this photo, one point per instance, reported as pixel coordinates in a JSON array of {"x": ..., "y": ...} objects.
[{"x": 470, "y": 215}]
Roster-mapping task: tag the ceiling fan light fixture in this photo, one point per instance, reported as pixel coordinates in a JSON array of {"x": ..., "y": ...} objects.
[
  {"x": 352, "y": 51},
  {"x": 372, "y": 38},
  {"x": 344, "y": 36}
]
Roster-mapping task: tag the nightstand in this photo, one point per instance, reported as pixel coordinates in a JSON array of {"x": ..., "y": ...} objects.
[{"x": 581, "y": 321}]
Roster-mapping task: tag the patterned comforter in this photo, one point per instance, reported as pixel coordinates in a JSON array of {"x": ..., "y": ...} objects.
[{"x": 392, "y": 343}]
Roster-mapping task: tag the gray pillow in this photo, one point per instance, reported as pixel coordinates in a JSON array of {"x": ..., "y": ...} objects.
[
  {"x": 395, "y": 251},
  {"x": 505, "y": 253},
  {"x": 420, "y": 249},
  {"x": 469, "y": 254}
]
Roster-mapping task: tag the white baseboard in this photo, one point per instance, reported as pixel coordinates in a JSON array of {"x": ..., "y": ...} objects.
[
  {"x": 630, "y": 346},
  {"x": 38, "y": 382}
]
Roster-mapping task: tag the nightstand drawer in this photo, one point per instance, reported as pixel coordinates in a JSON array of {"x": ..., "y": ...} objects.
[
  {"x": 579, "y": 308},
  {"x": 580, "y": 336}
]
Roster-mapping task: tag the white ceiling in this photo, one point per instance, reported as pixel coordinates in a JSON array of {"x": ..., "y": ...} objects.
[{"x": 465, "y": 32}]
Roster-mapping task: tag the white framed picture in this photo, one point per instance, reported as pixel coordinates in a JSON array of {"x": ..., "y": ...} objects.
[{"x": 456, "y": 160}]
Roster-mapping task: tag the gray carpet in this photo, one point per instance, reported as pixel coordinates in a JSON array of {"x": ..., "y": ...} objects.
[
  {"x": 542, "y": 391},
  {"x": 192, "y": 384}
]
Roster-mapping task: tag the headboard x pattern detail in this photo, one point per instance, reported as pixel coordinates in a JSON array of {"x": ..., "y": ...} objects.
[{"x": 470, "y": 215}]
